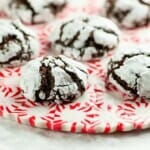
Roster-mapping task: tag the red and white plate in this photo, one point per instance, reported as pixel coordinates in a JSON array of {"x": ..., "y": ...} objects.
[{"x": 102, "y": 109}]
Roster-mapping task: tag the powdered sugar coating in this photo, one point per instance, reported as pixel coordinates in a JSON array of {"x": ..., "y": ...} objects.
[
  {"x": 85, "y": 37},
  {"x": 34, "y": 11},
  {"x": 59, "y": 80},
  {"x": 129, "y": 13},
  {"x": 129, "y": 70},
  {"x": 17, "y": 43},
  {"x": 30, "y": 80}
]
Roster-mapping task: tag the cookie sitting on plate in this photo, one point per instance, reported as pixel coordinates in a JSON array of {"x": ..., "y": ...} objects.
[
  {"x": 85, "y": 37},
  {"x": 33, "y": 11},
  {"x": 53, "y": 79},
  {"x": 129, "y": 71},
  {"x": 129, "y": 13},
  {"x": 18, "y": 43}
]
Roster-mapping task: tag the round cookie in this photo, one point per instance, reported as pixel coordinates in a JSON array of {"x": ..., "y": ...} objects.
[
  {"x": 34, "y": 11},
  {"x": 129, "y": 71},
  {"x": 129, "y": 13},
  {"x": 54, "y": 79},
  {"x": 18, "y": 43},
  {"x": 85, "y": 37}
]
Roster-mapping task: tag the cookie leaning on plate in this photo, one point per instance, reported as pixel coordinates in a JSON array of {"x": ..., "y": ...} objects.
[
  {"x": 18, "y": 44},
  {"x": 129, "y": 13},
  {"x": 129, "y": 71},
  {"x": 85, "y": 37},
  {"x": 33, "y": 11},
  {"x": 53, "y": 79}
]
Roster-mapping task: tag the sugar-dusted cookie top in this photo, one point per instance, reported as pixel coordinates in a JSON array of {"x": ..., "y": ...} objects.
[
  {"x": 85, "y": 37},
  {"x": 129, "y": 13},
  {"x": 34, "y": 11},
  {"x": 129, "y": 70},
  {"x": 18, "y": 43},
  {"x": 54, "y": 79}
]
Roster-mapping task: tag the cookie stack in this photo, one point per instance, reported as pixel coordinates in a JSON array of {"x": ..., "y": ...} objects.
[{"x": 83, "y": 38}]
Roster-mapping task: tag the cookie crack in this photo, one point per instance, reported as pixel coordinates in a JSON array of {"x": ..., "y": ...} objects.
[
  {"x": 28, "y": 6},
  {"x": 136, "y": 82},
  {"x": 110, "y": 5},
  {"x": 54, "y": 8},
  {"x": 47, "y": 82},
  {"x": 101, "y": 49},
  {"x": 109, "y": 31},
  {"x": 5, "y": 40},
  {"x": 120, "y": 62},
  {"x": 73, "y": 76},
  {"x": 26, "y": 37},
  {"x": 18, "y": 55},
  {"x": 144, "y": 3},
  {"x": 120, "y": 14},
  {"x": 90, "y": 42},
  {"x": 121, "y": 82}
]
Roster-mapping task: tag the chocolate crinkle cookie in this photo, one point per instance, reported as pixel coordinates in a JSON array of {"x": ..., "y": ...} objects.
[
  {"x": 129, "y": 70},
  {"x": 33, "y": 11},
  {"x": 129, "y": 13},
  {"x": 53, "y": 79},
  {"x": 85, "y": 37},
  {"x": 18, "y": 43}
]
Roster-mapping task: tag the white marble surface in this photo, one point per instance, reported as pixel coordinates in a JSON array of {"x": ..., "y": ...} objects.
[{"x": 14, "y": 136}]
